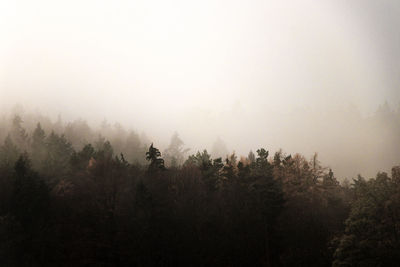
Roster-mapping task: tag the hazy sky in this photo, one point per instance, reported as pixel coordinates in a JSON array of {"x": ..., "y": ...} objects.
[{"x": 161, "y": 66}]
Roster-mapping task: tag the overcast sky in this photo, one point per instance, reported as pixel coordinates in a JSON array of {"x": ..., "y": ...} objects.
[{"x": 161, "y": 66}]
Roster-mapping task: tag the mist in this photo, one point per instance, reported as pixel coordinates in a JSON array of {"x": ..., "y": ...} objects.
[
  {"x": 302, "y": 77},
  {"x": 200, "y": 133}
]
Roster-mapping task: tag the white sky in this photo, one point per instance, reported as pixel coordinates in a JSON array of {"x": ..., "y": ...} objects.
[{"x": 162, "y": 66}]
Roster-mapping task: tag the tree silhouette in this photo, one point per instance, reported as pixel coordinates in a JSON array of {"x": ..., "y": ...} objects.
[{"x": 154, "y": 156}]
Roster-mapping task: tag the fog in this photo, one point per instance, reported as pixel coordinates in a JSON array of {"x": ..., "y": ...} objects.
[{"x": 302, "y": 77}]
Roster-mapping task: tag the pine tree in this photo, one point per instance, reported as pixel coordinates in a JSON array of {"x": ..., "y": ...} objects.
[
  {"x": 154, "y": 156},
  {"x": 175, "y": 152},
  {"x": 19, "y": 134},
  {"x": 8, "y": 153},
  {"x": 38, "y": 147}
]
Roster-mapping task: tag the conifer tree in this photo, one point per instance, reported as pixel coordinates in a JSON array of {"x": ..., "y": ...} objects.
[{"x": 154, "y": 156}]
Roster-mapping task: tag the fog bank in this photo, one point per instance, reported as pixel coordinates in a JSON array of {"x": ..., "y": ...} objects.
[{"x": 306, "y": 77}]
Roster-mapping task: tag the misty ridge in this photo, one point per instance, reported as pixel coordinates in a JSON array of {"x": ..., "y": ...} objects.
[
  {"x": 73, "y": 195},
  {"x": 346, "y": 141}
]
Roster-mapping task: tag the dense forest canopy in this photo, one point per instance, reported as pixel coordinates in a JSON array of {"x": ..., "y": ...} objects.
[{"x": 74, "y": 196}]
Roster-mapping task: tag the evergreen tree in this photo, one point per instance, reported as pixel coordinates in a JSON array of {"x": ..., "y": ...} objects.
[
  {"x": 372, "y": 231},
  {"x": 175, "y": 152},
  {"x": 219, "y": 149},
  {"x": 8, "y": 153},
  {"x": 19, "y": 134},
  {"x": 132, "y": 149},
  {"x": 267, "y": 195},
  {"x": 81, "y": 160},
  {"x": 38, "y": 147},
  {"x": 154, "y": 156},
  {"x": 56, "y": 164}
]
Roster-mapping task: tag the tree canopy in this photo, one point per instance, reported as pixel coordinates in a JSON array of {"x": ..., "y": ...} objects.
[{"x": 66, "y": 203}]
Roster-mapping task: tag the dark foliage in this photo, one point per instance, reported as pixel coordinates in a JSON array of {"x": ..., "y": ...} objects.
[{"x": 66, "y": 206}]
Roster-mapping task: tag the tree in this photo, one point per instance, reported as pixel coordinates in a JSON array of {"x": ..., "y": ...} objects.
[
  {"x": 268, "y": 201},
  {"x": 8, "y": 153},
  {"x": 78, "y": 133},
  {"x": 251, "y": 157},
  {"x": 372, "y": 232},
  {"x": 210, "y": 168},
  {"x": 262, "y": 163},
  {"x": 80, "y": 160},
  {"x": 132, "y": 149},
  {"x": 175, "y": 152},
  {"x": 230, "y": 170},
  {"x": 104, "y": 149},
  {"x": 18, "y": 133},
  {"x": 57, "y": 161},
  {"x": 38, "y": 147},
  {"x": 219, "y": 149},
  {"x": 154, "y": 156}
]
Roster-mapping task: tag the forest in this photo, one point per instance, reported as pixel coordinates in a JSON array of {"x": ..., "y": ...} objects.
[
  {"x": 74, "y": 196},
  {"x": 200, "y": 133}
]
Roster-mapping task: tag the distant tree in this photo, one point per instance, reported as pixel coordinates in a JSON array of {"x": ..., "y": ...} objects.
[
  {"x": 243, "y": 170},
  {"x": 175, "y": 152},
  {"x": 210, "y": 168},
  {"x": 58, "y": 125},
  {"x": 316, "y": 169},
  {"x": 78, "y": 133},
  {"x": 19, "y": 134},
  {"x": 229, "y": 171},
  {"x": 105, "y": 128},
  {"x": 262, "y": 163},
  {"x": 99, "y": 143},
  {"x": 8, "y": 153},
  {"x": 329, "y": 179},
  {"x": 56, "y": 164},
  {"x": 219, "y": 149},
  {"x": 80, "y": 160},
  {"x": 104, "y": 149},
  {"x": 118, "y": 138},
  {"x": 396, "y": 174},
  {"x": 133, "y": 149},
  {"x": 251, "y": 157},
  {"x": 38, "y": 147},
  {"x": 154, "y": 156},
  {"x": 202, "y": 160}
]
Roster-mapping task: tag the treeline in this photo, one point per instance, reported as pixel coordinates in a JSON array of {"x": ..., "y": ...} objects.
[{"x": 67, "y": 203}]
